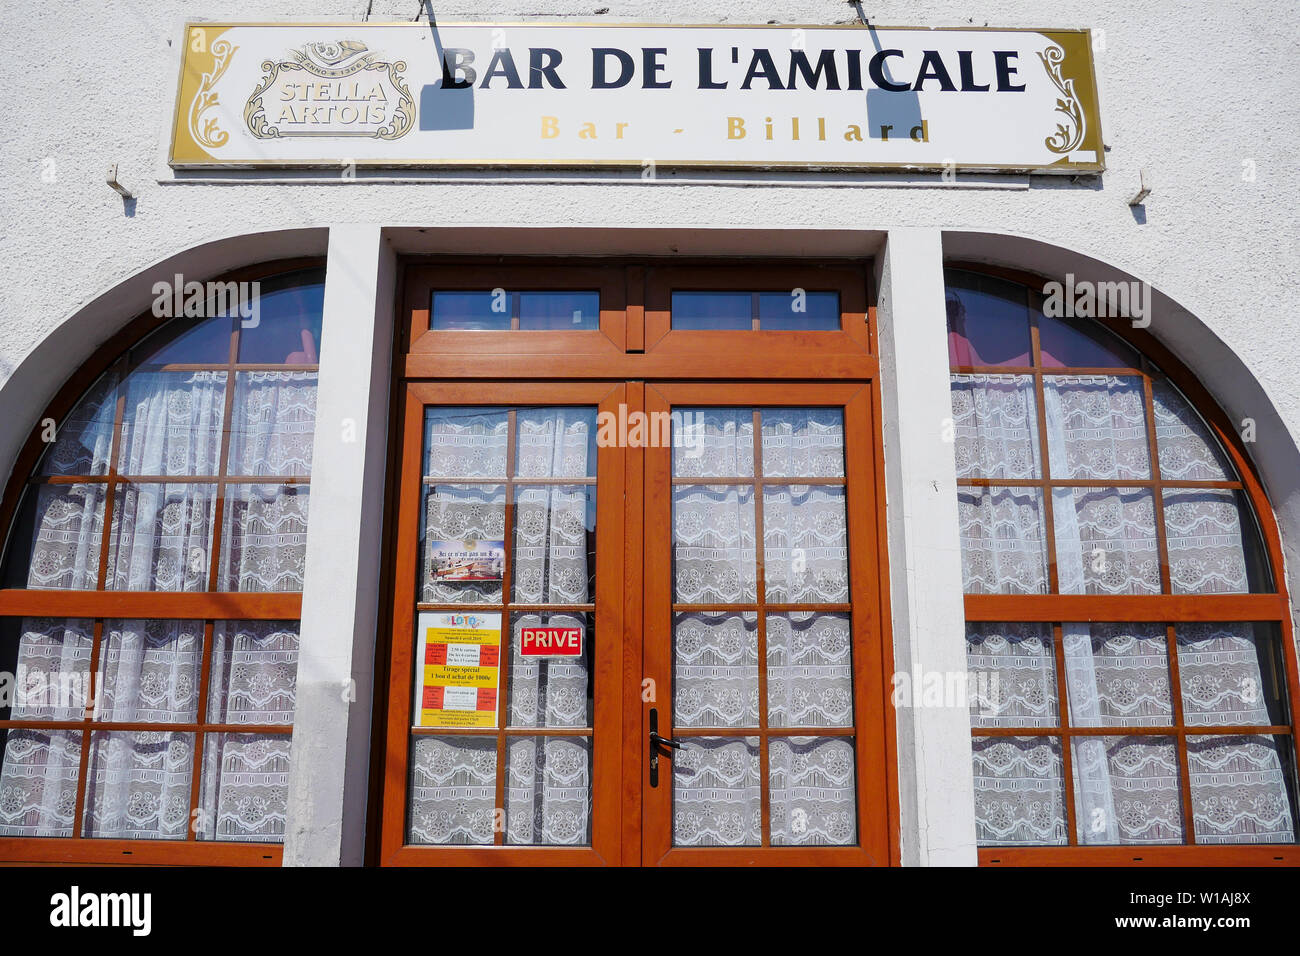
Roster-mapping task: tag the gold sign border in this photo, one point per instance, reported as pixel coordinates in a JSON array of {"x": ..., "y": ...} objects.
[{"x": 1076, "y": 43}]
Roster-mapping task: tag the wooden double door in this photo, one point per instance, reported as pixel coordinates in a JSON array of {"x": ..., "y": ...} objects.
[{"x": 634, "y": 620}]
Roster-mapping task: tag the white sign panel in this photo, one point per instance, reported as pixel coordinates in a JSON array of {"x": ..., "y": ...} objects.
[{"x": 578, "y": 95}]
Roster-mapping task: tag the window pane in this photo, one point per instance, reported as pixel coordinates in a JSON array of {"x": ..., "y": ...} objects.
[
  {"x": 84, "y": 439},
  {"x": 713, "y": 544},
  {"x": 149, "y": 671},
  {"x": 285, "y": 329},
  {"x": 264, "y": 538},
  {"x": 554, "y": 559},
  {"x": 1105, "y": 541},
  {"x": 1242, "y": 788},
  {"x": 988, "y": 321},
  {"x": 715, "y": 669},
  {"x": 1081, "y": 343},
  {"x": 551, "y": 691},
  {"x": 548, "y": 791},
  {"x": 463, "y": 544},
  {"x": 470, "y": 311},
  {"x": 1096, "y": 427},
  {"x": 49, "y": 660},
  {"x": 254, "y": 677},
  {"x": 1214, "y": 547},
  {"x": 809, "y": 670},
  {"x": 452, "y": 790},
  {"x": 803, "y": 443},
  {"x": 139, "y": 785},
  {"x": 1232, "y": 674},
  {"x": 465, "y": 442},
  {"x": 1003, "y": 544},
  {"x": 813, "y": 796},
  {"x": 38, "y": 782},
  {"x": 809, "y": 311},
  {"x": 1126, "y": 790},
  {"x": 63, "y": 528},
  {"x": 161, "y": 537},
  {"x": 1188, "y": 449},
  {"x": 244, "y": 789},
  {"x": 186, "y": 341},
  {"x": 1019, "y": 795},
  {"x": 995, "y": 424},
  {"x": 712, "y": 310},
  {"x": 273, "y": 424},
  {"x": 1011, "y": 675},
  {"x": 172, "y": 423},
  {"x": 559, "y": 310},
  {"x": 716, "y": 795},
  {"x": 1118, "y": 675},
  {"x": 555, "y": 443},
  {"x": 713, "y": 443},
  {"x": 805, "y": 544}
]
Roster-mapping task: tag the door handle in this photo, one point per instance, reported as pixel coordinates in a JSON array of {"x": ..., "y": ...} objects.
[{"x": 657, "y": 744}]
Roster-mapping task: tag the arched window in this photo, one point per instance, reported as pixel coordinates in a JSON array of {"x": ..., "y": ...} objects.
[
  {"x": 1128, "y": 640},
  {"x": 153, "y": 572}
]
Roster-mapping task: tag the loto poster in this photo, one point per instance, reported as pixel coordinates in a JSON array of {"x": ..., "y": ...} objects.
[{"x": 458, "y": 669}]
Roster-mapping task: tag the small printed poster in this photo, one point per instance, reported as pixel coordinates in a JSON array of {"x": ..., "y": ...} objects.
[
  {"x": 469, "y": 560},
  {"x": 458, "y": 669}
]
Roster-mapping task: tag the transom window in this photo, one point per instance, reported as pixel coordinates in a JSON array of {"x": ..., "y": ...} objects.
[
  {"x": 152, "y": 588},
  {"x": 1157, "y": 711}
]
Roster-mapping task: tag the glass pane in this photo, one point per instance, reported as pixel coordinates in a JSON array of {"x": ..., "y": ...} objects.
[
  {"x": 1019, "y": 794},
  {"x": 38, "y": 782},
  {"x": 1105, "y": 541},
  {"x": 462, "y": 544},
  {"x": 1232, "y": 674},
  {"x": 1096, "y": 427},
  {"x": 559, "y": 310},
  {"x": 465, "y": 442},
  {"x": 803, "y": 443},
  {"x": 273, "y": 424},
  {"x": 264, "y": 538},
  {"x": 712, "y": 310},
  {"x": 799, "y": 310},
  {"x": 84, "y": 439},
  {"x": 812, "y": 792},
  {"x": 149, "y": 671},
  {"x": 995, "y": 426},
  {"x": 48, "y": 660},
  {"x": 1003, "y": 544},
  {"x": 548, "y": 791},
  {"x": 713, "y": 544},
  {"x": 805, "y": 544},
  {"x": 554, "y": 560},
  {"x": 988, "y": 320},
  {"x": 1187, "y": 448},
  {"x": 1214, "y": 547},
  {"x": 161, "y": 537},
  {"x": 1081, "y": 343},
  {"x": 551, "y": 691},
  {"x": 1118, "y": 675},
  {"x": 453, "y": 790},
  {"x": 285, "y": 328},
  {"x": 1126, "y": 790},
  {"x": 713, "y": 443},
  {"x": 716, "y": 795},
  {"x": 1011, "y": 675},
  {"x": 254, "y": 676},
  {"x": 471, "y": 310},
  {"x": 1242, "y": 789},
  {"x": 555, "y": 443},
  {"x": 139, "y": 785},
  {"x": 172, "y": 423},
  {"x": 715, "y": 669},
  {"x": 186, "y": 342},
  {"x": 809, "y": 670},
  {"x": 244, "y": 789},
  {"x": 64, "y": 525}
]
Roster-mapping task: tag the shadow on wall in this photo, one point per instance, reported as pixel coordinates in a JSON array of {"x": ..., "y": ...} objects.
[
  {"x": 447, "y": 104},
  {"x": 898, "y": 109}
]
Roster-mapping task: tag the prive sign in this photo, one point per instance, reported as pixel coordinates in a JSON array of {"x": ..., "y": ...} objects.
[
  {"x": 587, "y": 94},
  {"x": 550, "y": 642}
]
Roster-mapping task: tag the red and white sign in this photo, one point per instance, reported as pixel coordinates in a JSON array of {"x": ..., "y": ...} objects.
[{"x": 550, "y": 642}]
